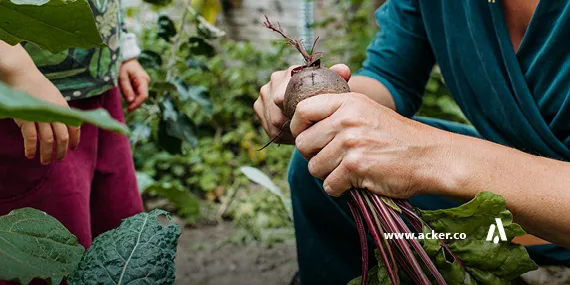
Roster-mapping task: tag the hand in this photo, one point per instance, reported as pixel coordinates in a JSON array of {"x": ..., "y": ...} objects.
[
  {"x": 352, "y": 141},
  {"x": 134, "y": 82},
  {"x": 269, "y": 105},
  {"x": 50, "y": 135}
]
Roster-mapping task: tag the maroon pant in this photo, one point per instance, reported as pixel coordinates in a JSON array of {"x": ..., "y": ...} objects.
[{"x": 90, "y": 191}]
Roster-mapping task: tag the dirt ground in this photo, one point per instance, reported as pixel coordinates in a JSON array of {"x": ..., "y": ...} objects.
[{"x": 204, "y": 258}]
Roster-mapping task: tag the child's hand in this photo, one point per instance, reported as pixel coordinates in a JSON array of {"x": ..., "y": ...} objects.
[
  {"x": 18, "y": 71},
  {"x": 134, "y": 82}
]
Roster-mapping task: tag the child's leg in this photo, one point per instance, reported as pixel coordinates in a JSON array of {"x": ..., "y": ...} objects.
[{"x": 114, "y": 194}]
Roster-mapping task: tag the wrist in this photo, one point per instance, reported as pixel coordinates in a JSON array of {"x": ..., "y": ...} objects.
[
  {"x": 15, "y": 63},
  {"x": 446, "y": 167}
]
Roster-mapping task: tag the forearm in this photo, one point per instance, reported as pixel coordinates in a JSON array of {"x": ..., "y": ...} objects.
[
  {"x": 535, "y": 188},
  {"x": 373, "y": 89},
  {"x": 15, "y": 61}
]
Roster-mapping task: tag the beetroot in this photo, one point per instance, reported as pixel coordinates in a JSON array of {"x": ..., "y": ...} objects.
[{"x": 310, "y": 79}]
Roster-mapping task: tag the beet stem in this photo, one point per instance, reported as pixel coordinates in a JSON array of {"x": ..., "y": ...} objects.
[
  {"x": 363, "y": 242},
  {"x": 297, "y": 44},
  {"x": 417, "y": 222},
  {"x": 374, "y": 232},
  {"x": 420, "y": 250}
]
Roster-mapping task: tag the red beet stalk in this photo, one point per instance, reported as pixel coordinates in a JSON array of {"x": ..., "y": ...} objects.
[{"x": 382, "y": 218}]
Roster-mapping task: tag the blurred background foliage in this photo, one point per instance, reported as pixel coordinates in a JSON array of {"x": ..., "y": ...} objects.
[{"x": 198, "y": 127}]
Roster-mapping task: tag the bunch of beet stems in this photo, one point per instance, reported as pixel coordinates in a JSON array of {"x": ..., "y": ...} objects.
[{"x": 382, "y": 215}]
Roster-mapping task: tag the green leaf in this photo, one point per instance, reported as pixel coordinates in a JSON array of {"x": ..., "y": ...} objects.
[
  {"x": 187, "y": 204},
  {"x": 54, "y": 25},
  {"x": 194, "y": 63},
  {"x": 486, "y": 262},
  {"x": 198, "y": 94},
  {"x": 150, "y": 59},
  {"x": 166, "y": 28},
  {"x": 372, "y": 278},
  {"x": 14, "y": 104},
  {"x": 36, "y": 245},
  {"x": 141, "y": 251},
  {"x": 144, "y": 181},
  {"x": 158, "y": 2},
  {"x": 178, "y": 125},
  {"x": 171, "y": 144},
  {"x": 199, "y": 46}
]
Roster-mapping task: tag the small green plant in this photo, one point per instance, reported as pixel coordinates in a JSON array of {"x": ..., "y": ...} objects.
[{"x": 36, "y": 245}]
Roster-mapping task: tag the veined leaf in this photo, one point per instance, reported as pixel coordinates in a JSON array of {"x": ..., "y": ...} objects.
[
  {"x": 36, "y": 245},
  {"x": 141, "y": 251},
  {"x": 485, "y": 261},
  {"x": 14, "y": 104},
  {"x": 54, "y": 25}
]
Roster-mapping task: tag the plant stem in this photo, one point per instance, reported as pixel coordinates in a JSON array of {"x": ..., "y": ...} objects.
[
  {"x": 374, "y": 232},
  {"x": 363, "y": 242},
  {"x": 178, "y": 40},
  {"x": 401, "y": 243}
]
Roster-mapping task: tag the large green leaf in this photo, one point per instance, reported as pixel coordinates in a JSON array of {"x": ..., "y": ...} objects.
[
  {"x": 141, "y": 251},
  {"x": 54, "y": 25},
  {"x": 35, "y": 245},
  {"x": 485, "y": 261},
  {"x": 14, "y": 104}
]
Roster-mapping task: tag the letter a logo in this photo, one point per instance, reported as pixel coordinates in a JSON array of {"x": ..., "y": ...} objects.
[{"x": 491, "y": 233}]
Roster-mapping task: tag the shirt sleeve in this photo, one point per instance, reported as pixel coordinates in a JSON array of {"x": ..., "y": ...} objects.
[
  {"x": 400, "y": 57},
  {"x": 129, "y": 45}
]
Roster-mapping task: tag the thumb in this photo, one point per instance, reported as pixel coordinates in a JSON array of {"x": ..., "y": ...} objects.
[{"x": 343, "y": 70}]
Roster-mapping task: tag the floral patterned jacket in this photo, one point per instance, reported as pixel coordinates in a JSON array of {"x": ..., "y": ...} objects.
[{"x": 80, "y": 73}]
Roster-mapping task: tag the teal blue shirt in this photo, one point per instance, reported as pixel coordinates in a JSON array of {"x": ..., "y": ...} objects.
[{"x": 517, "y": 99}]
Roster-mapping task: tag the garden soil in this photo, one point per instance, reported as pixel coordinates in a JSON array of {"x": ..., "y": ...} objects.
[{"x": 206, "y": 258}]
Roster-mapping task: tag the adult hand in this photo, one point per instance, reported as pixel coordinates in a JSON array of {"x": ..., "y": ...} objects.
[
  {"x": 269, "y": 104},
  {"x": 352, "y": 141},
  {"x": 133, "y": 81}
]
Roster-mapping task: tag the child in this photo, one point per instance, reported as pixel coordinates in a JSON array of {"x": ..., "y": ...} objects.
[{"x": 83, "y": 177}]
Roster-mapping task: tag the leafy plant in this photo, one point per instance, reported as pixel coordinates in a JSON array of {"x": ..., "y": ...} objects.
[
  {"x": 36, "y": 245},
  {"x": 473, "y": 260},
  {"x": 208, "y": 96},
  {"x": 142, "y": 250},
  {"x": 54, "y": 25}
]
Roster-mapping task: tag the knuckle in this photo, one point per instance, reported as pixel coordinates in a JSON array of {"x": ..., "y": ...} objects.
[
  {"x": 350, "y": 139},
  {"x": 31, "y": 138},
  {"x": 276, "y": 121},
  {"x": 48, "y": 139},
  {"x": 275, "y": 76},
  {"x": 353, "y": 162},
  {"x": 257, "y": 106},
  {"x": 63, "y": 139},
  {"x": 302, "y": 109},
  {"x": 313, "y": 169},
  {"x": 264, "y": 90}
]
